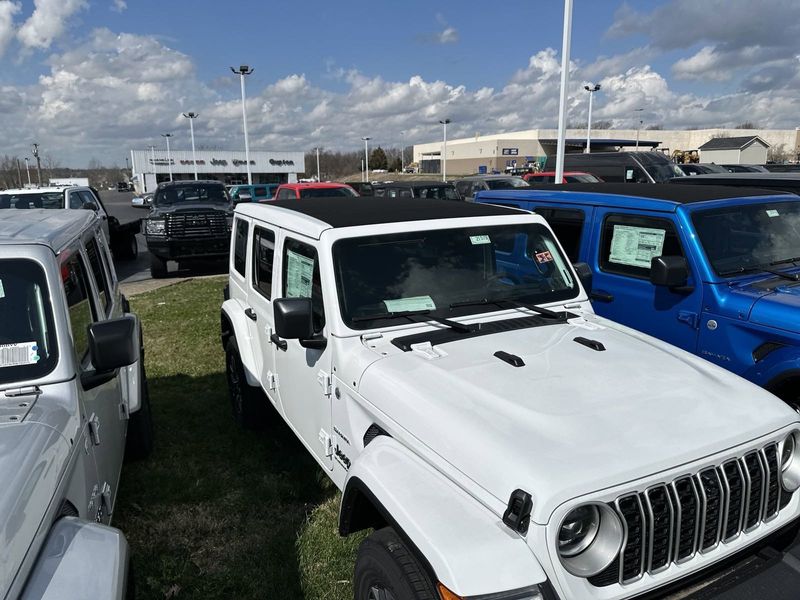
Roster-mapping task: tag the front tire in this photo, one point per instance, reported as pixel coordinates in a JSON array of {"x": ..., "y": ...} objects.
[
  {"x": 247, "y": 403},
  {"x": 387, "y": 570},
  {"x": 158, "y": 267}
]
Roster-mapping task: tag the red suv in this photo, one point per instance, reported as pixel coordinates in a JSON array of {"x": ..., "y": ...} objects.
[
  {"x": 569, "y": 177},
  {"x": 292, "y": 191}
]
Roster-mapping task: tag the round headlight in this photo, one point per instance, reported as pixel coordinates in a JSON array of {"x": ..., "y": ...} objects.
[
  {"x": 589, "y": 539},
  {"x": 790, "y": 463}
]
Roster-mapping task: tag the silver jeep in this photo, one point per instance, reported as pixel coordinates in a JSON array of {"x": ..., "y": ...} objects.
[{"x": 72, "y": 388}]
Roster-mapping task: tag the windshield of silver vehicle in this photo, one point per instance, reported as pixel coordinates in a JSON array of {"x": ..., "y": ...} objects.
[
  {"x": 28, "y": 347},
  {"x": 200, "y": 193},
  {"x": 448, "y": 272},
  {"x": 32, "y": 200},
  {"x": 750, "y": 237}
]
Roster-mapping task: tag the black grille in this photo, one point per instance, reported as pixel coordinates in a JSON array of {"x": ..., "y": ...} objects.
[
  {"x": 196, "y": 224},
  {"x": 670, "y": 523}
]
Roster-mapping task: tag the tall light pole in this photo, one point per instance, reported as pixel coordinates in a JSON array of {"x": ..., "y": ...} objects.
[
  {"x": 318, "y": 177},
  {"x": 444, "y": 123},
  {"x": 242, "y": 71},
  {"x": 638, "y": 127},
  {"x": 192, "y": 116},
  {"x": 169, "y": 155},
  {"x": 562, "y": 102},
  {"x": 28, "y": 170},
  {"x": 153, "y": 164},
  {"x": 366, "y": 158},
  {"x": 38, "y": 162},
  {"x": 591, "y": 89},
  {"x": 402, "y": 152}
]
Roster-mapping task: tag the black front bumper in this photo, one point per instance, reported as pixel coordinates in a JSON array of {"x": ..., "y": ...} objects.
[{"x": 188, "y": 248}]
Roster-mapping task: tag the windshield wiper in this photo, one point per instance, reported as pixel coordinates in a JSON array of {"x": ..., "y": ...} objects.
[
  {"x": 785, "y": 261},
  {"x": 411, "y": 314},
  {"x": 545, "y": 312},
  {"x": 765, "y": 269}
]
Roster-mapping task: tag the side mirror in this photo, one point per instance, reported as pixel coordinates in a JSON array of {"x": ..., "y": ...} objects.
[
  {"x": 243, "y": 197},
  {"x": 669, "y": 271},
  {"x": 293, "y": 318},
  {"x": 584, "y": 272},
  {"x": 90, "y": 206},
  {"x": 113, "y": 344}
]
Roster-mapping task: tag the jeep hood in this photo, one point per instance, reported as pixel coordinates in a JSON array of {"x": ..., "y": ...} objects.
[
  {"x": 573, "y": 420},
  {"x": 779, "y": 309},
  {"x": 33, "y": 457}
]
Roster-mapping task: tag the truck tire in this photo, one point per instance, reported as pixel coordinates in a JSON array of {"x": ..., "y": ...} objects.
[
  {"x": 387, "y": 570},
  {"x": 139, "y": 443},
  {"x": 158, "y": 267},
  {"x": 130, "y": 247},
  {"x": 247, "y": 402}
]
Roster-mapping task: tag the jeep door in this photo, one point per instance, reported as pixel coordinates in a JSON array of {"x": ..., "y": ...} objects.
[
  {"x": 304, "y": 373},
  {"x": 624, "y": 244}
]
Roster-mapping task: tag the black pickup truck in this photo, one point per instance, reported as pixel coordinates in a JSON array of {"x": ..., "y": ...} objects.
[{"x": 189, "y": 221}]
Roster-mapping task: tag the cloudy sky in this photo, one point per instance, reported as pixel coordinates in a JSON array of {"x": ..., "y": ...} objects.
[{"x": 94, "y": 78}]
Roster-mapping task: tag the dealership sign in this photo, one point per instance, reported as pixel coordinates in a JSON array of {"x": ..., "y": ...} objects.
[{"x": 510, "y": 151}]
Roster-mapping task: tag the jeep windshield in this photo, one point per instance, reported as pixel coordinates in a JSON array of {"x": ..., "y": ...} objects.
[
  {"x": 750, "y": 237},
  {"x": 32, "y": 200},
  {"x": 449, "y": 272},
  {"x": 191, "y": 194},
  {"x": 28, "y": 347},
  {"x": 659, "y": 167}
]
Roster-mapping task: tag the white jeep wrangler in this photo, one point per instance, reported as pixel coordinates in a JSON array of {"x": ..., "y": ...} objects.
[
  {"x": 73, "y": 400},
  {"x": 502, "y": 440}
]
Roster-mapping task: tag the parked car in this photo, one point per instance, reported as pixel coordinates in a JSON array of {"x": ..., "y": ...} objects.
[
  {"x": 746, "y": 168},
  {"x": 787, "y": 182},
  {"x": 701, "y": 168},
  {"x": 620, "y": 167},
  {"x": 294, "y": 191},
  {"x": 364, "y": 188},
  {"x": 122, "y": 236},
  {"x": 124, "y": 186},
  {"x": 73, "y": 401},
  {"x": 437, "y": 190},
  {"x": 442, "y": 364},
  {"x": 467, "y": 187},
  {"x": 252, "y": 193},
  {"x": 569, "y": 177},
  {"x": 189, "y": 221},
  {"x": 782, "y": 167},
  {"x": 713, "y": 270}
]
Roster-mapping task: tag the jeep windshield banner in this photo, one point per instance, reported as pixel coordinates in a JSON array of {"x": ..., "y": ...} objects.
[
  {"x": 299, "y": 273},
  {"x": 636, "y": 246}
]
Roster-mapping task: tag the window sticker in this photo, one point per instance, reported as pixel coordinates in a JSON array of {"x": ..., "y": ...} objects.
[
  {"x": 636, "y": 246},
  {"x": 544, "y": 257},
  {"x": 299, "y": 274},
  {"x": 413, "y": 303},
  {"x": 771, "y": 212},
  {"x": 2, "y": 290},
  {"x": 479, "y": 239},
  {"x": 15, "y": 355}
]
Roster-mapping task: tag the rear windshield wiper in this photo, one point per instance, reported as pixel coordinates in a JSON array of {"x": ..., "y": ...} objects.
[
  {"x": 411, "y": 316},
  {"x": 545, "y": 312}
]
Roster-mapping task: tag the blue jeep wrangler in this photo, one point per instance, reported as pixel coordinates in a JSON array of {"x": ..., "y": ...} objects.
[{"x": 714, "y": 270}]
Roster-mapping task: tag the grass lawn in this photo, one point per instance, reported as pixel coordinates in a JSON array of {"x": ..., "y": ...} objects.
[{"x": 216, "y": 512}]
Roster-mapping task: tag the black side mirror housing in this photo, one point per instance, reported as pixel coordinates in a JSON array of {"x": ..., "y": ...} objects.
[
  {"x": 90, "y": 206},
  {"x": 293, "y": 318},
  {"x": 113, "y": 344},
  {"x": 584, "y": 272},
  {"x": 669, "y": 271}
]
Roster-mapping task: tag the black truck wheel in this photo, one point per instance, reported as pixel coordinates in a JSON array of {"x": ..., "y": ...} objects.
[
  {"x": 387, "y": 570},
  {"x": 139, "y": 443},
  {"x": 248, "y": 403},
  {"x": 158, "y": 267}
]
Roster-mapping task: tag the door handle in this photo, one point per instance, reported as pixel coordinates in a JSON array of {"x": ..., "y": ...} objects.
[
  {"x": 250, "y": 313},
  {"x": 279, "y": 343},
  {"x": 601, "y": 296}
]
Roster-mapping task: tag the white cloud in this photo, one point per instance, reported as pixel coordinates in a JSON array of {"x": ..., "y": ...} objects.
[
  {"x": 119, "y": 6},
  {"x": 448, "y": 36},
  {"x": 48, "y": 22},
  {"x": 7, "y": 11}
]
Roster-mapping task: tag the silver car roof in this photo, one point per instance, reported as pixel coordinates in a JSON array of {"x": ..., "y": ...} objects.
[{"x": 53, "y": 228}]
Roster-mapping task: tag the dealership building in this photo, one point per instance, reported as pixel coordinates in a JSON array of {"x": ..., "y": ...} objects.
[
  {"x": 151, "y": 167},
  {"x": 499, "y": 152}
]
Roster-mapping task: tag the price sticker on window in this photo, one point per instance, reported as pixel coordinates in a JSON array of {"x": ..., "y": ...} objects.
[
  {"x": 771, "y": 212},
  {"x": 477, "y": 240},
  {"x": 15, "y": 355}
]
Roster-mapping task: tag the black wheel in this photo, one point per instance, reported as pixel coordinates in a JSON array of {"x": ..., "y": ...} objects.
[
  {"x": 158, "y": 267},
  {"x": 387, "y": 570},
  {"x": 131, "y": 248},
  {"x": 248, "y": 403},
  {"x": 139, "y": 443}
]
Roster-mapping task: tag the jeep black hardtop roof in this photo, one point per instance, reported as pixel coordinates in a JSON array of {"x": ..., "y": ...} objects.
[
  {"x": 676, "y": 194},
  {"x": 366, "y": 210}
]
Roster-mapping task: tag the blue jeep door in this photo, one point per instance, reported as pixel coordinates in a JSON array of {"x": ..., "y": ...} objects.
[{"x": 622, "y": 290}]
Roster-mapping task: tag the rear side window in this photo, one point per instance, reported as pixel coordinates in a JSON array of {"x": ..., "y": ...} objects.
[
  {"x": 630, "y": 242},
  {"x": 76, "y": 289},
  {"x": 567, "y": 224},
  {"x": 99, "y": 272},
  {"x": 260, "y": 191},
  {"x": 263, "y": 256},
  {"x": 240, "y": 246},
  {"x": 301, "y": 277}
]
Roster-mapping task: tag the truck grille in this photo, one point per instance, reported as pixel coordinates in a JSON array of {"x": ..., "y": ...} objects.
[
  {"x": 671, "y": 523},
  {"x": 196, "y": 224}
]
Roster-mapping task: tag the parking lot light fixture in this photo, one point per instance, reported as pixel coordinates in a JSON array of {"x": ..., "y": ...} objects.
[
  {"x": 166, "y": 136},
  {"x": 28, "y": 170},
  {"x": 591, "y": 89},
  {"x": 366, "y": 158},
  {"x": 562, "y": 102},
  {"x": 639, "y": 126},
  {"x": 192, "y": 116},
  {"x": 444, "y": 123},
  {"x": 242, "y": 71},
  {"x": 38, "y": 162}
]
